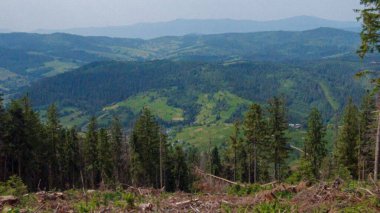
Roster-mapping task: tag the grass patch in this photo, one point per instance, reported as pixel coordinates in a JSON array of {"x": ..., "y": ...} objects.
[
  {"x": 330, "y": 98},
  {"x": 58, "y": 67},
  {"x": 203, "y": 136},
  {"x": 218, "y": 107},
  {"x": 158, "y": 105}
]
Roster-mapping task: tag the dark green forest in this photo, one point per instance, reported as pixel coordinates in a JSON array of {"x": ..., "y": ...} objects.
[
  {"x": 323, "y": 84},
  {"x": 27, "y": 57},
  {"x": 47, "y": 155}
]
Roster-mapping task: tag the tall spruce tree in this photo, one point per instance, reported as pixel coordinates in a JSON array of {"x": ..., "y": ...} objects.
[
  {"x": 72, "y": 161},
  {"x": 3, "y": 130},
  {"x": 276, "y": 129},
  {"x": 369, "y": 15},
  {"x": 254, "y": 131},
  {"x": 180, "y": 169},
  {"x": 216, "y": 166},
  {"x": 34, "y": 139},
  {"x": 346, "y": 152},
  {"x": 53, "y": 130},
  {"x": 235, "y": 139},
  {"x": 117, "y": 147},
  {"x": 145, "y": 144},
  {"x": 315, "y": 144},
  {"x": 91, "y": 152},
  {"x": 105, "y": 157},
  {"x": 366, "y": 144},
  {"x": 16, "y": 143}
]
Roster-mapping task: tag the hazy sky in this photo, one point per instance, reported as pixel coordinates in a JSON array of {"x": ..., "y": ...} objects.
[{"x": 58, "y": 14}]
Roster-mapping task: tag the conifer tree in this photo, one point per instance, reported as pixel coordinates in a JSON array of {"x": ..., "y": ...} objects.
[
  {"x": 366, "y": 144},
  {"x": 216, "y": 166},
  {"x": 105, "y": 157},
  {"x": 180, "y": 169},
  {"x": 145, "y": 144},
  {"x": 315, "y": 144},
  {"x": 276, "y": 129},
  {"x": 91, "y": 152},
  {"x": 235, "y": 138},
  {"x": 72, "y": 160},
  {"x": 3, "y": 117},
  {"x": 254, "y": 131},
  {"x": 35, "y": 141},
  {"x": 346, "y": 152},
  {"x": 3, "y": 123},
  {"x": 116, "y": 147},
  {"x": 53, "y": 129},
  {"x": 16, "y": 139}
]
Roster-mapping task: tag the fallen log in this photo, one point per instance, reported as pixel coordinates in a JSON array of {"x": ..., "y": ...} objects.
[
  {"x": 146, "y": 207},
  {"x": 270, "y": 183},
  {"x": 8, "y": 200},
  {"x": 43, "y": 196},
  {"x": 367, "y": 190},
  {"x": 218, "y": 178},
  {"x": 186, "y": 202}
]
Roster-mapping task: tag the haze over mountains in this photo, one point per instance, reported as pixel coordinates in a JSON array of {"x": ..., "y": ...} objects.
[{"x": 180, "y": 27}]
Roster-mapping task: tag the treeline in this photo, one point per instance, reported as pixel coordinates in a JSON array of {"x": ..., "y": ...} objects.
[
  {"x": 258, "y": 149},
  {"x": 48, "y": 156},
  {"x": 96, "y": 85}
]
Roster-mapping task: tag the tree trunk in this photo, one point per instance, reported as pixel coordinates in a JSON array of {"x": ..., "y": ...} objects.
[
  {"x": 375, "y": 172},
  {"x": 161, "y": 179},
  {"x": 255, "y": 163},
  {"x": 235, "y": 164}
]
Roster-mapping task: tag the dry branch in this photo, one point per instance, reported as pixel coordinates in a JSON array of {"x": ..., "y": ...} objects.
[{"x": 218, "y": 178}]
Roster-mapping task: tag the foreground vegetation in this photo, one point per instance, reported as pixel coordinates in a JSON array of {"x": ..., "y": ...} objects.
[{"x": 334, "y": 196}]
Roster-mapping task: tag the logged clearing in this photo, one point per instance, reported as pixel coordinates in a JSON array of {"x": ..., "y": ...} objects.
[{"x": 215, "y": 195}]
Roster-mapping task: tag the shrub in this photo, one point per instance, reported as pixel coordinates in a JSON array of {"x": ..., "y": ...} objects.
[
  {"x": 273, "y": 207},
  {"x": 13, "y": 186},
  {"x": 246, "y": 190}
]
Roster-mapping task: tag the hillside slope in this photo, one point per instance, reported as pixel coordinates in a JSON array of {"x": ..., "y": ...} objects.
[
  {"x": 182, "y": 85},
  {"x": 35, "y": 56}
]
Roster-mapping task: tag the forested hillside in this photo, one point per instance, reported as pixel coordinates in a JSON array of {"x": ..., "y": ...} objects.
[
  {"x": 29, "y": 57},
  {"x": 324, "y": 84}
]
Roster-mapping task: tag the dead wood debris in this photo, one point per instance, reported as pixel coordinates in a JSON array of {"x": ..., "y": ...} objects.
[
  {"x": 44, "y": 196},
  {"x": 8, "y": 200},
  {"x": 329, "y": 195}
]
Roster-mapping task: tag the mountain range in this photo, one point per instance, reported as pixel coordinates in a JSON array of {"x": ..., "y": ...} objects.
[
  {"x": 181, "y": 27},
  {"x": 196, "y": 85},
  {"x": 27, "y": 57}
]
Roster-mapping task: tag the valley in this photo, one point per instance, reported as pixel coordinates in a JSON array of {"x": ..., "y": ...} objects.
[{"x": 266, "y": 120}]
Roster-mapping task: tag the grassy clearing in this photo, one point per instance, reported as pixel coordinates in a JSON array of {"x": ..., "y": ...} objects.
[
  {"x": 203, "y": 136},
  {"x": 58, "y": 67},
  {"x": 6, "y": 74},
  {"x": 69, "y": 116},
  {"x": 330, "y": 98},
  {"x": 218, "y": 107},
  {"x": 158, "y": 105}
]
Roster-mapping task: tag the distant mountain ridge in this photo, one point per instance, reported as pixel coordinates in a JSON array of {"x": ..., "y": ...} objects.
[
  {"x": 27, "y": 57},
  {"x": 181, "y": 27}
]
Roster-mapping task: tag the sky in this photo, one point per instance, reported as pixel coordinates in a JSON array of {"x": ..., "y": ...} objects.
[{"x": 29, "y": 15}]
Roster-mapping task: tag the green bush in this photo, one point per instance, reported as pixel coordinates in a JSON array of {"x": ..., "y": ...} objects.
[
  {"x": 273, "y": 207},
  {"x": 246, "y": 190},
  {"x": 13, "y": 186},
  {"x": 343, "y": 173},
  {"x": 305, "y": 172},
  {"x": 130, "y": 199}
]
